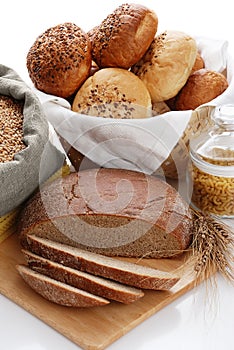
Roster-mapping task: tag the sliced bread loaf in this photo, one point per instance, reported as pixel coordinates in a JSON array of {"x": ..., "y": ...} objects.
[
  {"x": 124, "y": 272},
  {"x": 110, "y": 211},
  {"x": 82, "y": 280},
  {"x": 58, "y": 292}
]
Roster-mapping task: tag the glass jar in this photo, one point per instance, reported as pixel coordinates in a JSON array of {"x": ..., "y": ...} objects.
[{"x": 211, "y": 171}]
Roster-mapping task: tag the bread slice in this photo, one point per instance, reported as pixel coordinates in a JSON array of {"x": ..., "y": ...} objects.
[
  {"x": 113, "y": 212},
  {"x": 57, "y": 292},
  {"x": 97, "y": 264},
  {"x": 82, "y": 280}
]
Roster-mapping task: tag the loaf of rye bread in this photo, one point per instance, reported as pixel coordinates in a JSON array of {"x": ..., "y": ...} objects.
[
  {"x": 96, "y": 285},
  {"x": 110, "y": 211},
  {"x": 128, "y": 273}
]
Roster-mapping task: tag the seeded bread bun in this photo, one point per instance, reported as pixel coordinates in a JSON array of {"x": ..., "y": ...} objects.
[
  {"x": 202, "y": 86},
  {"x": 113, "y": 93},
  {"x": 124, "y": 36},
  {"x": 59, "y": 61},
  {"x": 167, "y": 64}
]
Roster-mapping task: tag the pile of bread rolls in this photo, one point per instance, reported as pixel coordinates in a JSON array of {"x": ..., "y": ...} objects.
[{"x": 123, "y": 68}]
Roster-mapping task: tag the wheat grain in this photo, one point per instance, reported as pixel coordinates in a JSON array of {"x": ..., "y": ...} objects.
[
  {"x": 213, "y": 247},
  {"x": 11, "y": 128}
]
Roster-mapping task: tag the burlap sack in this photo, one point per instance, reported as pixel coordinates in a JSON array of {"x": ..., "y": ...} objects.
[{"x": 39, "y": 160}]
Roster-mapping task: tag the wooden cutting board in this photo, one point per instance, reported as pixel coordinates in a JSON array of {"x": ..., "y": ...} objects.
[{"x": 93, "y": 328}]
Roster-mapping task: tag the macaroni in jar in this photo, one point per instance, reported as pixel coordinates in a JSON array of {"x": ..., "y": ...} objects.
[{"x": 211, "y": 173}]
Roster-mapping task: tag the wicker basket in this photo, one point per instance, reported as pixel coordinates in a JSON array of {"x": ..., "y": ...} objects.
[{"x": 174, "y": 166}]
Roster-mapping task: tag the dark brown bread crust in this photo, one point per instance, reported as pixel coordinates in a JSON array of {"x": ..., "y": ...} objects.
[
  {"x": 124, "y": 36},
  {"x": 110, "y": 211}
]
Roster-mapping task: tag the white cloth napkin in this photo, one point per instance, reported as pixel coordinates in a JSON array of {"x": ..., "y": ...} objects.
[{"x": 139, "y": 144}]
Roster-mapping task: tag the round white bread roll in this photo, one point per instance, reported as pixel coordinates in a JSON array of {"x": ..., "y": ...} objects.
[
  {"x": 59, "y": 61},
  {"x": 123, "y": 36},
  {"x": 113, "y": 93},
  {"x": 167, "y": 64}
]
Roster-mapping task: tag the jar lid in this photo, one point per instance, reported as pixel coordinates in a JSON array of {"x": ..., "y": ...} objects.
[
  {"x": 216, "y": 146},
  {"x": 213, "y": 151},
  {"x": 224, "y": 116}
]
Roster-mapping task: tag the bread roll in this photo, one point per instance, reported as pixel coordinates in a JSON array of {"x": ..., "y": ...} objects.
[
  {"x": 110, "y": 211},
  {"x": 59, "y": 61},
  {"x": 167, "y": 64},
  {"x": 94, "y": 68},
  {"x": 171, "y": 103},
  {"x": 199, "y": 63},
  {"x": 124, "y": 36},
  {"x": 113, "y": 93},
  {"x": 160, "y": 108},
  {"x": 202, "y": 86}
]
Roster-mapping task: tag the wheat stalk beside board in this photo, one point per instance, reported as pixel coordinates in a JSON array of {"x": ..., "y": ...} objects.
[{"x": 213, "y": 247}]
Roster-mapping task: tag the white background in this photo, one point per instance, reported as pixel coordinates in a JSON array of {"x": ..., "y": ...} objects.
[{"x": 201, "y": 319}]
